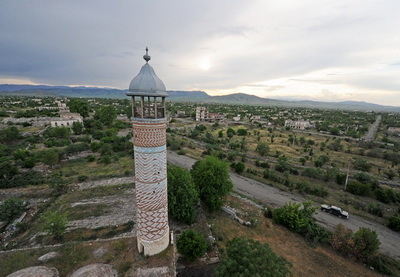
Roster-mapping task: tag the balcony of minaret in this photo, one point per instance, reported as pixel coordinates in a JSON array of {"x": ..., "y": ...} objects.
[{"x": 148, "y": 107}]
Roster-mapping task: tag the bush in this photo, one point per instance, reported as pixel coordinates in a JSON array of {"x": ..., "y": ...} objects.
[
  {"x": 394, "y": 223},
  {"x": 375, "y": 209},
  {"x": 246, "y": 257},
  {"x": 294, "y": 217},
  {"x": 54, "y": 224},
  {"x": 191, "y": 245},
  {"x": 82, "y": 178},
  {"x": 358, "y": 188},
  {"x": 239, "y": 167},
  {"x": 11, "y": 209}
]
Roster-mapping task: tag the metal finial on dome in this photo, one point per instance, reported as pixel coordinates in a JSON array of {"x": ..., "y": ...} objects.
[{"x": 146, "y": 57}]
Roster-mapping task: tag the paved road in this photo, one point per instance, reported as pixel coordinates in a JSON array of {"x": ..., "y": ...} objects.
[{"x": 390, "y": 240}]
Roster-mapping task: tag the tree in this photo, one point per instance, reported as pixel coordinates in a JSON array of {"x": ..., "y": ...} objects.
[
  {"x": 79, "y": 106},
  {"x": 191, "y": 245},
  {"x": 361, "y": 164},
  {"x": 239, "y": 167},
  {"x": 230, "y": 132},
  {"x": 77, "y": 127},
  {"x": 242, "y": 132},
  {"x": 212, "y": 179},
  {"x": 293, "y": 216},
  {"x": 394, "y": 223},
  {"x": 9, "y": 134},
  {"x": 60, "y": 132},
  {"x": 262, "y": 148},
  {"x": 182, "y": 195},
  {"x": 54, "y": 224},
  {"x": 106, "y": 114},
  {"x": 246, "y": 257},
  {"x": 367, "y": 243},
  {"x": 50, "y": 157},
  {"x": 11, "y": 209}
]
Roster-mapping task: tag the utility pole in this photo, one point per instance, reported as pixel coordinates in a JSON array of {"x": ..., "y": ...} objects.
[{"x": 347, "y": 176}]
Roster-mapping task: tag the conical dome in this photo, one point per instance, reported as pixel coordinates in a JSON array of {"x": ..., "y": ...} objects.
[{"x": 146, "y": 83}]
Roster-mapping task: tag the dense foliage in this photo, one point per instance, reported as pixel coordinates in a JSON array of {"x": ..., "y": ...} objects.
[
  {"x": 246, "y": 257},
  {"x": 191, "y": 245},
  {"x": 212, "y": 178},
  {"x": 11, "y": 209},
  {"x": 182, "y": 195}
]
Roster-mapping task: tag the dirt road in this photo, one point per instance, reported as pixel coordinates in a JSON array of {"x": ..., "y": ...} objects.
[
  {"x": 373, "y": 129},
  {"x": 390, "y": 240}
]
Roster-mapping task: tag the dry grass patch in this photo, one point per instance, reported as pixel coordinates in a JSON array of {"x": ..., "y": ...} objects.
[{"x": 306, "y": 260}]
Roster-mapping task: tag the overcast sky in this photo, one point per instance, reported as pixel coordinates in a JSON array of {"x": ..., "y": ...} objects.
[{"x": 321, "y": 50}]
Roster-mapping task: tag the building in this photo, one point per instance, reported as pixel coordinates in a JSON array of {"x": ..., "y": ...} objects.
[
  {"x": 149, "y": 124},
  {"x": 298, "y": 124},
  {"x": 66, "y": 120},
  {"x": 201, "y": 113}
]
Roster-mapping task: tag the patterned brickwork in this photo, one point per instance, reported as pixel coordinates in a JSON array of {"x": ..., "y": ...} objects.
[
  {"x": 150, "y": 167},
  {"x": 149, "y": 134},
  {"x": 149, "y": 139}
]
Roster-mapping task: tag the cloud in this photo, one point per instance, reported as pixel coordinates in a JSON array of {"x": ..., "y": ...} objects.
[{"x": 296, "y": 47}]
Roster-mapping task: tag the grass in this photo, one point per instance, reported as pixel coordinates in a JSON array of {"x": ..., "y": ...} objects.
[{"x": 72, "y": 169}]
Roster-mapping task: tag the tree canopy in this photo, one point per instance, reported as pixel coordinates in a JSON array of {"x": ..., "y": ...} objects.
[
  {"x": 11, "y": 209},
  {"x": 182, "y": 195},
  {"x": 212, "y": 178},
  {"x": 246, "y": 257},
  {"x": 106, "y": 114},
  {"x": 79, "y": 106},
  {"x": 191, "y": 245}
]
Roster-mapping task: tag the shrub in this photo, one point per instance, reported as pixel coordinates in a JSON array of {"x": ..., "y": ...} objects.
[
  {"x": 246, "y": 257},
  {"x": 394, "y": 223},
  {"x": 11, "y": 209},
  {"x": 358, "y": 188},
  {"x": 191, "y": 245}
]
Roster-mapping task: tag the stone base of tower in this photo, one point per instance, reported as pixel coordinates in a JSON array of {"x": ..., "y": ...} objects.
[{"x": 150, "y": 248}]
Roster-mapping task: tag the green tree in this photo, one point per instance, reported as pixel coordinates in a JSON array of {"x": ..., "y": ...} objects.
[
  {"x": 394, "y": 223},
  {"x": 367, "y": 243},
  {"x": 11, "y": 209},
  {"x": 230, "y": 132},
  {"x": 7, "y": 173},
  {"x": 54, "y": 223},
  {"x": 77, "y": 127},
  {"x": 212, "y": 179},
  {"x": 106, "y": 114},
  {"x": 239, "y": 167},
  {"x": 79, "y": 106},
  {"x": 60, "y": 132},
  {"x": 182, "y": 195},
  {"x": 191, "y": 245},
  {"x": 242, "y": 132},
  {"x": 293, "y": 216},
  {"x": 246, "y": 257},
  {"x": 9, "y": 134},
  {"x": 262, "y": 148},
  {"x": 50, "y": 157}
]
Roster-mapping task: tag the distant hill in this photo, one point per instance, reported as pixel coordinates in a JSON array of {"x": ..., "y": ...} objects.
[{"x": 188, "y": 96}]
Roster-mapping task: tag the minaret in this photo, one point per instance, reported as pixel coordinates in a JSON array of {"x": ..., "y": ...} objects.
[{"x": 149, "y": 141}]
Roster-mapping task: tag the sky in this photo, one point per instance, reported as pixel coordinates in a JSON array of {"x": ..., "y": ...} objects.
[{"x": 282, "y": 49}]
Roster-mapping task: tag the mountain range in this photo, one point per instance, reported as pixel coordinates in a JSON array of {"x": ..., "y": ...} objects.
[{"x": 187, "y": 96}]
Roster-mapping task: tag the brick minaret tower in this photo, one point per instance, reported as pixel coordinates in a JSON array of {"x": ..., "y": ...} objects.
[{"x": 149, "y": 139}]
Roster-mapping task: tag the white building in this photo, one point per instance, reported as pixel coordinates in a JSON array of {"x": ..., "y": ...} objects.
[
  {"x": 66, "y": 120},
  {"x": 298, "y": 124}
]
